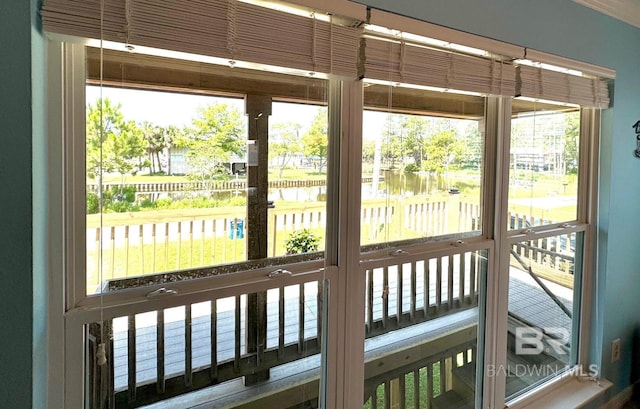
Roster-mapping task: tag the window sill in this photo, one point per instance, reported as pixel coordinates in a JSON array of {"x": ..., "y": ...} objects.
[{"x": 562, "y": 393}]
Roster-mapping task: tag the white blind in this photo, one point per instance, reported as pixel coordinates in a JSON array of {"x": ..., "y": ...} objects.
[
  {"x": 396, "y": 61},
  {"x": 539, "y": 83},
  {"x": 227, "y": 29}
]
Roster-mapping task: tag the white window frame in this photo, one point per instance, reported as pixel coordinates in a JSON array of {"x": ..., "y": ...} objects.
[
  {"x": 585, "y": 222},
  {"x": 71, "y": 308}
]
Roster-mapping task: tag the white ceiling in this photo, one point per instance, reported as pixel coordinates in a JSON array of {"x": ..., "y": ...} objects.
[{"x": 624, "y": 10}]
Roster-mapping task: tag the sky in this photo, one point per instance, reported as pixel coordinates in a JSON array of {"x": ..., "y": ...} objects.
[
  {"x": 160, "y": 108},
  {"x": 178, "y": 109},
  {"x": 168, "y": 108}
]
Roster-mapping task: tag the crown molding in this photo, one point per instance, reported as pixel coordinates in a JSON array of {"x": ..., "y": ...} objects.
[{"x": 627, "y": 11}]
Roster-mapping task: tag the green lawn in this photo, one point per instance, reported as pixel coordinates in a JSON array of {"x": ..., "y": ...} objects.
[
  {"x": 410, "y": 386},
  {"x": 162, "y": 255}
]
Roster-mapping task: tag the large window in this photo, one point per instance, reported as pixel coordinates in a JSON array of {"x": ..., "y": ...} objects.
[
  {"x": 547, "y": 245},
  {"x": 282, "y": 207},
  {"x": 192, "y": 186}
]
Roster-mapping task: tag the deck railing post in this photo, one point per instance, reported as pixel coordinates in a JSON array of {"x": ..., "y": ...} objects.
[{"x": 258, "y": 110}]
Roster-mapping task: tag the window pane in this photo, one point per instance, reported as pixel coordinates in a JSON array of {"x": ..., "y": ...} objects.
[
  {"x": 422, "y": 171},
  {"x": 542, "y": 304},
  {"x": 422, "y": 333},
  {"x": 159, "y": 197},
  {"x": 543, "y": 176},
  {"x": 180, "y": 179},
  {"x": 195, "y": 170}
]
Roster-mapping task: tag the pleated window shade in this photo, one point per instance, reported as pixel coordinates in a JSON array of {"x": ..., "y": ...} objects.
[
  {"x": 400, "y": 62},
  {"x": 239, "y": 31},
  {"x": 539, "y": 83},
  {"x": 227, "y": 29}
]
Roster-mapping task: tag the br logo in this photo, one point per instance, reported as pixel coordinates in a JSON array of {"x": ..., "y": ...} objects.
[{"x": 534, "y": 341}]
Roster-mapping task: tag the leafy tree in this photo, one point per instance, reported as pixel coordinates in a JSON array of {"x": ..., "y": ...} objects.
[
  {"x": 441, "y": 150},
  {"x": 124, "y": 150},
  {"x": 157, "y": 140},
  {"x": 285, "y": 143},
  {"x": 368, "y": 150},
  {"x": 104, "y": 122},
  {"x": 315, "y": 141},
  {"x": 391, "y": 147},
  {"x": 571, "y": 136},
  {"x": 302, "y": 241},
  {"x": 112, "y": 144},
  {"x": 414, "y": 129},
  {"x": 216, "y": 134},
  {"x": 473, "y": 145}
]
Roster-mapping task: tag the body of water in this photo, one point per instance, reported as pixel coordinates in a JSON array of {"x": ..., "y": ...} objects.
[{"x": 391, "y": 183}]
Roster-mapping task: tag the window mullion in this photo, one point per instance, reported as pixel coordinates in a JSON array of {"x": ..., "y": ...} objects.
[
  {"x": 587, "y": 213},
  {"x": 57, "y": 247},
  {"x": 495, "y": 340},
  {"x": 344, "y": 374},
  {"x": 74, "y": 128}
]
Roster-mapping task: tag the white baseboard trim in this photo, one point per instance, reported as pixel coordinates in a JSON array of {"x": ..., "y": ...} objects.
[{"x": 619, "y": 400}]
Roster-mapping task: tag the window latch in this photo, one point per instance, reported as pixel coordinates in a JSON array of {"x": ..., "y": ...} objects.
[
  {"x": 161, "y": 292},
  {"x": 279, "y": 273}
]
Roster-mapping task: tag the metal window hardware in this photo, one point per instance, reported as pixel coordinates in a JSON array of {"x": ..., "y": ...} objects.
[
  {"x": 279, "y": 273},
  {"x": 161, "y": 292}
]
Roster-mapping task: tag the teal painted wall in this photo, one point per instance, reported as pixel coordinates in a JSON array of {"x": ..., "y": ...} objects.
[
  {"x": 16, "y": 290},
  {"x": 566, "y": 28}
]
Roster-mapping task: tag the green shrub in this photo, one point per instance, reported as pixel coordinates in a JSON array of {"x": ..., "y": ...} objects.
[
  {"x": 121, "y": 194},
  {"x": 93, "y": 204},
  {"x": 302, "y": 241},
  {"x": 163, "y": 203},
  {"x": 119, "y": 199},
  {"x": 411, "y": 168},
  {"x": 122, "y": 207},
  {"x": 147, "y": 203}
]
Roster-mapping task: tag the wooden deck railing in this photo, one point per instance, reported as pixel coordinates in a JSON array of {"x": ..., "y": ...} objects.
[
  {"x": 121, "y": 246},
  {"x": 205, "y": 346},
  {"x": 221, "y": 185},
  {"x": 124, "y": 245},
  {"x": 207, "y": 343},
  {"x": 427, "y": 382},
  {"x": 400, "y": 294}
]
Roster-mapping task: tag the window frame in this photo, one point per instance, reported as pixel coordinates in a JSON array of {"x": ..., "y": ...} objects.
[
  {"x": 68, "y": 112},
  {"x": 585, "y": 222},
  {"x": 73, "y": 308}
]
